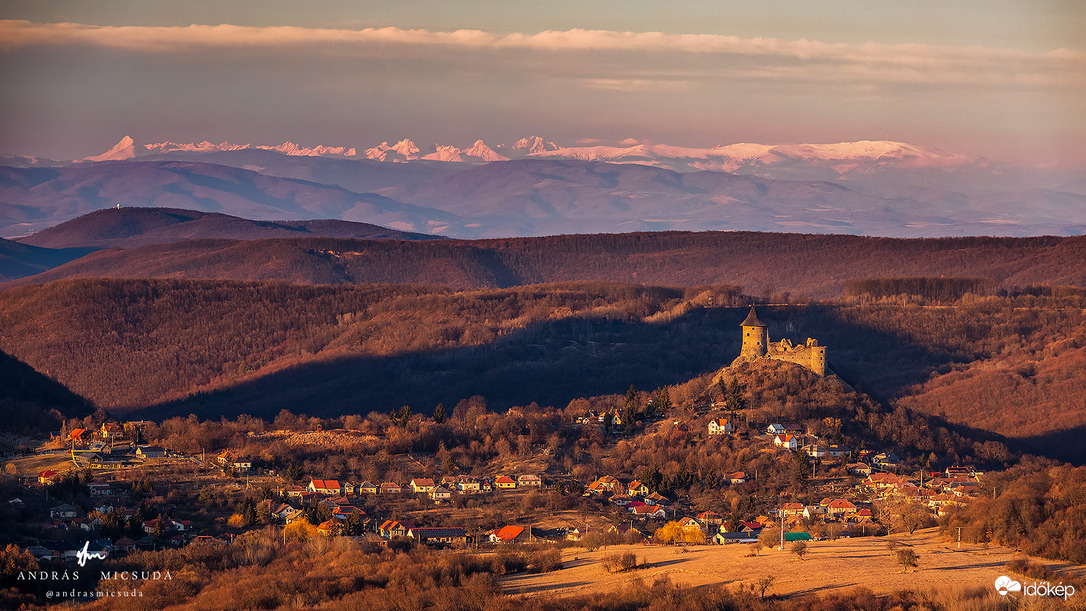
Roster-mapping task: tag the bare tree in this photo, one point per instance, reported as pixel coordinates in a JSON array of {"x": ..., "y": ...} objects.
[
  {"x": 907, "y": 558},
  {"x": 763, "y": 584},
  {"x": 799, "y": 548}
]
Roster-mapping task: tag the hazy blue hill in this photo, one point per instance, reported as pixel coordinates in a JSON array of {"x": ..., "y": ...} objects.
[
  {"x": 61, "y": 194},
  {"x": 20, "y": 260}
]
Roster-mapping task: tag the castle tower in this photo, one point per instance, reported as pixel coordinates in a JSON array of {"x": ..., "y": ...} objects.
[{"x": 755, "y": 337}]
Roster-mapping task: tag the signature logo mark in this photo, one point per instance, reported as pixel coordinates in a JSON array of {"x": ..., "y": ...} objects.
[{"x": 83, "y": 555}]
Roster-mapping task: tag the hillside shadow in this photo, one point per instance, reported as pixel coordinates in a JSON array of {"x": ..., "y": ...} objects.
[
  {"x": 1063, "y": 445},
  {"x": 555, "y": 361}
]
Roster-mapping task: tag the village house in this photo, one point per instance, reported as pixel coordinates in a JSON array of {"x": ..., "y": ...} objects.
[
  {"x": 529, "y": 480},
  {"x": 656, "y": 499},
  {"x": 395, "y": 528},
  {"x": 720, "y": 426},
  {"x": 788, "y": 442},
  {"x": 47, "y": 477},
  {"x": 468, "y": 485},
  {"x": 329, "y": 487},
  {"x": 329, "y": 528},
  {"x": 64, "y": 512},
  {"x": 637, "y": 488},
  {"x": 150, "y": 452},
  {"x": 505, "y": 482},
  {"x": 441, "y": 493},
  {"x": 391, "y": 488},
  {"x": 604, "y": 484},
  {"x": 509, "y": 534},
  {"x": 815, "y": 451},
  {"x": 838, "y": 451},
  {"x": 111, "y": 431},
  {"x": 648, "y": 511},
  {"x": 689, "y": 523},
  {"x": 739, "y": 477},
  {"x": 710, "y": 518},
  {"x": 422, "y": 485},
  {"x": 343, "y": 512},
  {"x": 792, "y": 509},
  {"x": 367, "y": 488},
  {"x": 887, "y": 460},
  {"x": 438, "y": 534},
  {"x": 859, "y": 469},
  {"x": 99, "y": 489},
  {"x": 840, "y": 507}
]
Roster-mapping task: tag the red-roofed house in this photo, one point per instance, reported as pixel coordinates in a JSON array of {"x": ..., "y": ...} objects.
[
  {"x": 788, "y": 442},
  {"x": 326, "y": 486},
  {"x": 840, "y": 507},
  {"x": 793, "y": 509},
  {"x": 710, "y": 517},
  {"x": 422, "y": 484},
  {"x": 637, "y": 488},
  {"x": 720, "y": 426},
  {"x": 739, "y": 477},
  {"x": 509, "y": 534},
  {"x": 505, "y": 483},
  {"x": 648, "y": 511},
  {"x": 47, "y": 477}
]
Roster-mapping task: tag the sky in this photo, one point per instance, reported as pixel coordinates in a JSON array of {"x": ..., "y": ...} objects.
[{"x": 997, "y": 78}]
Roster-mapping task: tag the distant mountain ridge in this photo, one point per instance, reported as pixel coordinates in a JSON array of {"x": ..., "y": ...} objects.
[
  {"x": 133, "y": 227},
  {"x": 843, "y": 157}
]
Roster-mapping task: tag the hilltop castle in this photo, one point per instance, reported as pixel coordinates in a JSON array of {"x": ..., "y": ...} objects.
[{"x": 756, "y": 345}]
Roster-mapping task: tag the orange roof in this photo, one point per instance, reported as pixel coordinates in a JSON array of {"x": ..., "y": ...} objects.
[
  {"x": 509, "y": 533},
  {"x": 841, "y": 504},
  {"x": 504, "y": 480},
  {"x": 326, "y": 484}
]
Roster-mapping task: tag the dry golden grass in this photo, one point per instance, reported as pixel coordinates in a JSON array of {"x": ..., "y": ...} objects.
[
  {"x": 828, "y": 566},
  {"x": 33, "y": 465}
]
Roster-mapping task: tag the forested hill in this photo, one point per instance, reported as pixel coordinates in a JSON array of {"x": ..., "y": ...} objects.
[
  {"x": 1012, "y": 365},
  {"x": 761, "y": 263},
  {"x": 130, "y": 227}
]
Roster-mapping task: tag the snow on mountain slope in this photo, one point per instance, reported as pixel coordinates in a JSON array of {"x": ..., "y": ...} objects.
[
  {"x": 842, "y": 157},
  {"x": 125, "y": 149}
]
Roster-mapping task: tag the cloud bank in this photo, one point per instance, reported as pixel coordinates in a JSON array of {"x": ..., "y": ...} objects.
[{"x": 759, "y": 58}]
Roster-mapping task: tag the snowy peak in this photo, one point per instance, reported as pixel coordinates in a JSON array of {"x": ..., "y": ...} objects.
[
  {"x": 404, "y": 150},
  {"x": 484, "y": 152},
  {"x": 534, "y": 145},
  {"x": 201, "y": 147},
  {"x": 125, "y": 149},
  {"x": 289, "y": 148},
  {"x": 838, "y": 159}
]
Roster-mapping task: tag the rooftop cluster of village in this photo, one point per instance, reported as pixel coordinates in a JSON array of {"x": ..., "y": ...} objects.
[{"x": 100, "y": 491}]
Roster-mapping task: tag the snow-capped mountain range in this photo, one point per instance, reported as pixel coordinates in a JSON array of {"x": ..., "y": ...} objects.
[
  {"x": 538, "y": 187},
  {"x": 842, "y": 157}
]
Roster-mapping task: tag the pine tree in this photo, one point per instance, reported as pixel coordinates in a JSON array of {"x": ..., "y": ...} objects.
[{"x": 439, "y": 413}]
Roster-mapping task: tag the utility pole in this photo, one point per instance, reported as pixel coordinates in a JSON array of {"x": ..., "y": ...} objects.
[
  {"x": 959, "y": 537},
  {"x": 782, "y": 525}
]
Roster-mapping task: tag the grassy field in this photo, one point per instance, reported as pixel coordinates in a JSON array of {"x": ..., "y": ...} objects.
[{"x": 828, "y": 566}]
